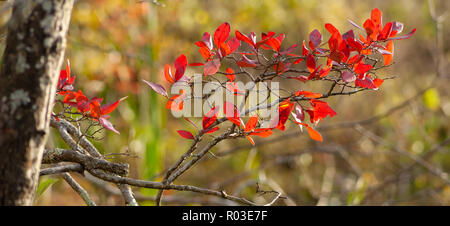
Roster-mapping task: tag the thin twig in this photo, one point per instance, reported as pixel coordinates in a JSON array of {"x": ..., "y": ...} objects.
[{"x": 80, "y": 190}]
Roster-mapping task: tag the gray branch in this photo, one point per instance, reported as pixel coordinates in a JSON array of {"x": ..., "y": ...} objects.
[{"x": 80, "y": 190}]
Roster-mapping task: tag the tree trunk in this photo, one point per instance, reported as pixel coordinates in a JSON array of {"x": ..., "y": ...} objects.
[{"x": 29, "y": 73}]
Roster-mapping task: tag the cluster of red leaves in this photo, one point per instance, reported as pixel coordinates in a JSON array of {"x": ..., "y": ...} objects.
[
  {"x": 345, "y": 52},
  {"x": 91, "y": 108}
]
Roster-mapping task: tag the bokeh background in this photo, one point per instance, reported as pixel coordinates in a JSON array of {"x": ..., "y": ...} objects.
[{"x": 400, "y": 154}]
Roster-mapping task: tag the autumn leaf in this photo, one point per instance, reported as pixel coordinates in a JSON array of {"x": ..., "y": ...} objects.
[
  {"x": 307, "y": 94},
  {"x": 210, "y": 117},
  {"x": 232, "y": 113},
  {"x": 65, "y": 81},
  {"x": 175, "y": 103},
  {"x": 388, "y": 57},
  {"x": 284, "y": 110},
  {"x": 108, "y": 108},
  {"x": 315, "y": 38},
  {"x": 107, "y": 124},
  {"x": 186, "y": 134},
  {"x": 211, "y": 67},
  {"x": 230, "y": 74},
  {"x": 156, "y": 87},
  {"x": 347, "y": 76},
  {"x": 310, "y": 63},
  {"x": 221, "y": 34},
  {"x": 180, "y": 66},
  {"x": 313, "y": 134},
  {"x": 362, "y": 68},
  {"x": 320, "y": 110}
]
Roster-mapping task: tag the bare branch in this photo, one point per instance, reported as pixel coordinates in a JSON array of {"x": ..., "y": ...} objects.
[
  {"x": 61, "y": 155},
  {"x": 80, "y": 190}
]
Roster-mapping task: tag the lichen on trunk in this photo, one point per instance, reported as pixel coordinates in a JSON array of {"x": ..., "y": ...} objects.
[{"x": 31, "y": 61}]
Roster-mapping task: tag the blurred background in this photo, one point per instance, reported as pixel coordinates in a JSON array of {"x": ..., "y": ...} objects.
[{"x": 385, "y": 147}]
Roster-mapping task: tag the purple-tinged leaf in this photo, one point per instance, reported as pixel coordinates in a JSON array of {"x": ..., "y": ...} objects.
[
  {"x": 403, "y": 36},
  {"x": 156, "y": 87},
  {"x": 347, "y": 76},
  {"x": 207, "y": 39},
  {"x": 384, "y": 52},
  {"x": 397, "y": 26},
  {"x": 298, "y": 113},
  {"x": 107, "y": 124},
  {"x": 356, "y": 25},
  {"x": 348, "y": 34},
  {"x": 315, "y": 37}
]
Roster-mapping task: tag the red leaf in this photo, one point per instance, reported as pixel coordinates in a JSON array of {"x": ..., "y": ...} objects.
[
  {"x": 376, "y": 17},
  {"x": 310, "y": 63},
  {"x": 107, "y": 124},
  {"x": 281, "y": 67},
  {"x": 275, "y": 43},
  {"x": 231, "y": 113},
  {"x": 388, "y": 57},
  {"x": 313, "y": 134},
  {"x": 384, "y": 34},
  {"x": 301, "y": 78},
  {"x": 320, "y": 110},
  {"x": 65, "y": 81},
  {"x": 289, "y": 50},
  {"x": 244, "y": 38},
  {"x": 330, "y": 28},
  {"x": 377, "y": 82},
  {"x": 245, "y": 62},
  {"x": 94, "y": 108},
  {"x": 205, "y": 52},
  {"x": 108, "y": 108},
  {"x": 371, "y": 30},
  {"x": 307, "y": 94},
  {"x": 251, "y": 124},
  {"x": 168, "y": 74},
  {"x": 354, "y": 45},
  {"x": 175, "y": 103},
  {"x": 365, "y": 83},
  {"x": 211, "y": 67},
  {"x": 230, "y": 74},
  {"x": 210, "y": 117},
  {"x": 211, "y": 130},
  {"x": 196, "y": 64},
  {"x": 186, "y": 134},
  {"x": 262, "y": 132},
  {"x": 180, "y": 66},
  {"x": 284, "y": 110},
  {"x": 221, "y": 34},
  {"x": 156, "y": 87},
  {"x": 251, "y": 140},
  {"x": 233, "y": 44},
  {"x": 305, "y": 50},
  {"x": 337, "y": 56},
  {"x": 362, "y": 68},
  {"x": 231, "y": 86}
]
